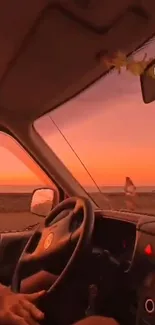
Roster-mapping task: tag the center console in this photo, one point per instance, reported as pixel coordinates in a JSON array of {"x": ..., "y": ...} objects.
[{"x": 146, "y": 306}]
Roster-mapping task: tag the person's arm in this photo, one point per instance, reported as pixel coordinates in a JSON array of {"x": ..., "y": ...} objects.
[{"x": 19, "y": 309}]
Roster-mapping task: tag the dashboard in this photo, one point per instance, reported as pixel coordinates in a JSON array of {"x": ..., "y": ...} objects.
[
  {"x": 127, "y": 237},
  {"x": 130, "y": 238},
  {"x": 116, "y": 237}
]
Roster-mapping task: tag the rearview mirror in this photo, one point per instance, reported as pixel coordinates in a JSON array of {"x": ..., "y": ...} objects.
[
  {"x": 147, "y": 80},
  {"x": 43, "y": 201}
]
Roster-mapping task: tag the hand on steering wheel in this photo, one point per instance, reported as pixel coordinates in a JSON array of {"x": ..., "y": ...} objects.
[{"x": 52, "y": 236}]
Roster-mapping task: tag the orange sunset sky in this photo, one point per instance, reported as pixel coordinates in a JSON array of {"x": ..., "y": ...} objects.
[{"x": 110, "y": 128}]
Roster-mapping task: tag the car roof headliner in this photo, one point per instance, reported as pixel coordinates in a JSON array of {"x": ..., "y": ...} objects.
[{"x": 51, "y": 50}]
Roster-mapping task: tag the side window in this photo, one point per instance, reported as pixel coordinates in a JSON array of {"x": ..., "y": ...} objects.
[{"x": 19, "y": 177}]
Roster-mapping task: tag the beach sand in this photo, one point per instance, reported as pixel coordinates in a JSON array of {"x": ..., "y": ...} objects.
[
  {"x": 15, "y": 207},
  {"x": 15, "y": 211},
  {"x": 145, "y": 202}
]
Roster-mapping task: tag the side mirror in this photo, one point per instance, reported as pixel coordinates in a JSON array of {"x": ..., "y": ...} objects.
[{"x": 43, "y": 201}]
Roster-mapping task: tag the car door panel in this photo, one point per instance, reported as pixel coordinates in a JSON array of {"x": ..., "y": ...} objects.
[{"x": 11, "y": 246}]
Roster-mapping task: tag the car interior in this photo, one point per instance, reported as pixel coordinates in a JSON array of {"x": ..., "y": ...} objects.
[{"x": 91, "y": 262}]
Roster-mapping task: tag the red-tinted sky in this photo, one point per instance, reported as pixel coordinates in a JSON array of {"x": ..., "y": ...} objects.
[
  {"x": 110, "y": 128},
  {"x": 16, "y": 167}
]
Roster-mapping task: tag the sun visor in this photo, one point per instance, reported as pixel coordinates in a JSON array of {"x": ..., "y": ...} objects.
[
  {"x": 60, "y": 58},
  {"x": 102, "y": 17},
  {"x": 129, "y": 32}
]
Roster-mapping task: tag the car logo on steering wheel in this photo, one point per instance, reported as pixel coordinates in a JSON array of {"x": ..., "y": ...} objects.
[{"x": 48, "y": 241}]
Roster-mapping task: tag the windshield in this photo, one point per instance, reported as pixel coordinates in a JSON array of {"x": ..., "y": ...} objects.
[{"x": 106, "y": 137}]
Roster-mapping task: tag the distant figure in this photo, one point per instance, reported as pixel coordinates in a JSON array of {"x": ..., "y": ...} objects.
[{"x": 130, "y": 194}]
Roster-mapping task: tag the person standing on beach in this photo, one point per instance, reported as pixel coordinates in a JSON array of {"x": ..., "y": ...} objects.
[{"x": 130, "y": 194}]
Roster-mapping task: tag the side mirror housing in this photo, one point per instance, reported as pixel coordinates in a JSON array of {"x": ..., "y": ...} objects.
[
  {"x": 147, "y": 80},
  {"x": 43, "y": 201}
]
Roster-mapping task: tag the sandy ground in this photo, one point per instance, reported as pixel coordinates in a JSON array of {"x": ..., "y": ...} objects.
[
  {"x": 15, "y": 211},
  {"x": 17, "y": 220},
  {"x": 145, "y": 202},
  {"x": 15, "y": 208}
]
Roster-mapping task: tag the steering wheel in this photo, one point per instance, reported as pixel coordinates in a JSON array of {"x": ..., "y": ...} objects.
[{"x": 55, "y": 234}]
